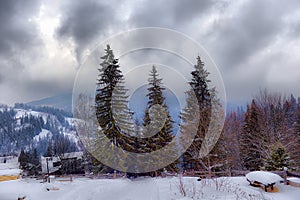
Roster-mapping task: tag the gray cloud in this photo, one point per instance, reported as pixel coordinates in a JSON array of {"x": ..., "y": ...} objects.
[
  {"x": 251, "y": 29},
  {"x": 17, "y": 33},
  {"x": 171, "y": 14},
  {"x": 84, "y": 21},
  {"x": 240, "y": 31},
  {"x": 18, "y": 39}
]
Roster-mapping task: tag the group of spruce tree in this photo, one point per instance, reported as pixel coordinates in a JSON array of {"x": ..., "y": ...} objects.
[
  {"x": 115, "y": 118},
  {"x": 266, "y": 136}
]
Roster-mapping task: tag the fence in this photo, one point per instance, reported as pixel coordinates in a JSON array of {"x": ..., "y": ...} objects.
[{"x": 210, "y": 174}]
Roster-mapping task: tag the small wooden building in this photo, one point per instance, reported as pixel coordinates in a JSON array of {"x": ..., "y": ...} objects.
[{"x": 69, "y": 163}]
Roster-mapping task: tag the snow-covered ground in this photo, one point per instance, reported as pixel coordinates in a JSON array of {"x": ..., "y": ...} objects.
[
  {"x": 22, "y": 112},
  {"x": 144, "y": 188}
]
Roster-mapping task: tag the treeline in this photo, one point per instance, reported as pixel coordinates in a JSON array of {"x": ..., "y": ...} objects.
[
  {"x": 59, "y": 113},
  {"x": 265, "y": 136}
]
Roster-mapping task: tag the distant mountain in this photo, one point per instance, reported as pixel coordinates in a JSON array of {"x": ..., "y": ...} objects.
[
  {"x": 137, "y": 103},
  {"x": 62, "y": 101}
]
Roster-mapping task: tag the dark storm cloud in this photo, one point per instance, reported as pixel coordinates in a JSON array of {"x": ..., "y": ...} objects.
[
  {"x": 234, "y": 33},
  {"x": 254, "y": 27},
  {"x": 17, "y": 33},
  {"x": 84, "y": 20},
  {"x": 169, "y": 13}
]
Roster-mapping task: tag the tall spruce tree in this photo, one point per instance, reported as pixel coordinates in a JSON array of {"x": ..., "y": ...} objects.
[
  {"x": 199, "y": 88},
  {"x": 252, "y": 143},
  {"x": 111, "y": 93},
  {"x": 113, "y": 114},
  {"x": 121, "y": 113},
  {"x": 164, "y": 135}
]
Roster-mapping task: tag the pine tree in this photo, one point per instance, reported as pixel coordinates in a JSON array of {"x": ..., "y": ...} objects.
[
  {"x": 121, "y": 112},
  {"x": 199, "y": 88},
  {"x": 154, "y": 116},
  {"x": 232, "y": 131},
  {"x": 213, "y": 147},
  {"x": 49, "y": 151},
  {"x": 278, "y": 158},
  {"x": 23, "y": 159},
  {"x": 110, "y": 75},
  {"x": 252, "y": 143},
  {"x": 113, "y": 114}
]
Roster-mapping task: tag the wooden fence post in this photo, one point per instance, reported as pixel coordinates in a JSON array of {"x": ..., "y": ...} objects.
[
  {"x": 115, "y": 174},
  {"x": 285, "y": 175}
]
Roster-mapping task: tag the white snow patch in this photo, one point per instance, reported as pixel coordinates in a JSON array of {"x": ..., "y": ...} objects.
[
  {"x": 144, "y": 188},
  {"x": 43, "y": 134},
  {"x": 10, "y": 172},
  {"x": 72, "y": 136},
  {"x": 294, "y": 179},
  {"x": 21, "y": 113}
]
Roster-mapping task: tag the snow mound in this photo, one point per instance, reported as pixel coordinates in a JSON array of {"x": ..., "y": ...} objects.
[
  {"x": 265, "y": 178},
  {"x": 295, "y": 180}
]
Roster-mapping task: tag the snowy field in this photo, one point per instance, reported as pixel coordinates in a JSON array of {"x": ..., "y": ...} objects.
[{"x": 142, "y": 189}]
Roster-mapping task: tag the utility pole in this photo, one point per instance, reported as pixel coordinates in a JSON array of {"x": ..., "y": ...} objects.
[{"x": 48, "y": 174}]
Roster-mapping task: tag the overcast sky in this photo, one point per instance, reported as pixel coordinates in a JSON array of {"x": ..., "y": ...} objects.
[{"x": 255, "y": 43}]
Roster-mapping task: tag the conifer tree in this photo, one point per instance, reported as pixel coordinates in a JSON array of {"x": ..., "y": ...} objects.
[
  {"x": 111, "y": 92},
  {"x": 278, "y": 158},
  {"x": 199, "y": 88},
  {"x": 153, "y": 123},
  {"x": 23, "y": 159},
  {"x": 113, "y": 114},
  {"x": 49, "y": 152},
  {"x": 252, "y": 143},
  {"x": 121, "y": 112}
]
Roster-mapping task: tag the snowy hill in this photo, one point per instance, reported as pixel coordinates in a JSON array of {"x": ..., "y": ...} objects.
[{"x": 25, "y": 128}]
